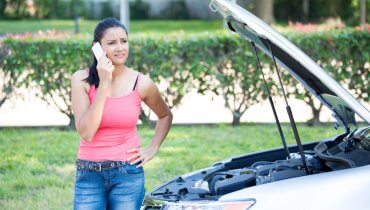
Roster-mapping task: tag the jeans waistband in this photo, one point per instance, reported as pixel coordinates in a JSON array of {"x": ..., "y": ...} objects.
[{"x": 99, "y": 166}]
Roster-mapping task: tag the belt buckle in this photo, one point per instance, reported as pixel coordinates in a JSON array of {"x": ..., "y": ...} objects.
[{"x": 99, "y": 168}]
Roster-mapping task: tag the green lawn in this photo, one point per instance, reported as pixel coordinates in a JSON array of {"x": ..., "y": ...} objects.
[
  {"x": 87, "y": 26},
  {"x": 37, "y": 166}
]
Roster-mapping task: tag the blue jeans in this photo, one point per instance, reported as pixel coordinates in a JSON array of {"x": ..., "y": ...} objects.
[{"x": 117, "y": 188}]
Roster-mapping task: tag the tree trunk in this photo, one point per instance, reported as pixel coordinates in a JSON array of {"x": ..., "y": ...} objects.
[
  {"x": 2, "y": 100},
  {"x": 315, "y": 120},
  {"x": 316, "y": 117},
  {"x": 146, "y": 120},
  {"x": 236, "y": 118},
  {"x": 75, "y": 14},
  {"x": 363, "y": 12},
  {"x": 55, "y": 9},
  {"x": 305, "y": 8},
  {"x": 71, "y": 125},
  {"x": 3, "y": 4},
  {"x": 265, "y": 10},
  {"x": 7, "y": 90},
  {"x": 332, "y": 7}
]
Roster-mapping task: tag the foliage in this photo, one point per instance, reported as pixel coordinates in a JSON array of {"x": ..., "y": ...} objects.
[
  {"x": 107, "y": 11},
  {"x": 284, "y": 10},
  {"x": 139, "y": 10},
  {"x": 10, "y": 80},
  {"x": 221, "y": 63},
  {"x": 175, "y": 10},
  {"x": 346, "y": 10},
  {"x": 3, "y": 4},
  {"x": 228, "y": 69},
  {"x": 344, "y": 55},
  {"x": 49, "y": 64},
  {"x": 87, "y": 26},
  {"x": 18, "y": 9}
]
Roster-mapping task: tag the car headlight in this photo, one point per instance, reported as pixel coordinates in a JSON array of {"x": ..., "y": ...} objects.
[{"x": 211, "y": 205}]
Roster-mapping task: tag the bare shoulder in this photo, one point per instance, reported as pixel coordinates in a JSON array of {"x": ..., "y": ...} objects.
[
  {"x": 145, "y": 81},
  {"x": 146, "y": 86},
  {"x": 78, "y": 79},
  {"x": 79, "y": 75}
]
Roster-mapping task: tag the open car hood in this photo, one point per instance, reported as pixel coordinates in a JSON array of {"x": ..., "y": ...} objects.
[{"x": 301, "y": 66}]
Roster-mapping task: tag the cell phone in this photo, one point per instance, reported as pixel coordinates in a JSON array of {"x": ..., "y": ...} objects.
[{"x": 97, "y": 50}]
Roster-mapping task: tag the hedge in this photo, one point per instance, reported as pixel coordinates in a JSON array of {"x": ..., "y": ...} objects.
[{"x": 220, "y": 63}]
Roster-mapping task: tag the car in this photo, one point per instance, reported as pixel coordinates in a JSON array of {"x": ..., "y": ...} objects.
[{"x": 331, "y": 173}]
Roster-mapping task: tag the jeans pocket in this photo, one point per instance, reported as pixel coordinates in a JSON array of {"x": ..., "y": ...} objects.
[
  {"x": 132, "y": 169},
  {"x": 80, "y": 174}
]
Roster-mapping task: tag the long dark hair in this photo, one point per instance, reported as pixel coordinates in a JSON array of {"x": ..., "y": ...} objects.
[{"x": 100, "y": 29}]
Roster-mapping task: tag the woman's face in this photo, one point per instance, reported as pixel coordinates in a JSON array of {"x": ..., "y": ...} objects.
[{"x": 115, "y": 43}]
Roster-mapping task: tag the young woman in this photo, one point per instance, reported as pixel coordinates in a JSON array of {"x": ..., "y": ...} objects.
[{"x": 106, "y": 102}]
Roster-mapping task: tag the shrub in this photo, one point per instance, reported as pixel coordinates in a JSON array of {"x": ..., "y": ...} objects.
[{"x": 221, "y": 63}]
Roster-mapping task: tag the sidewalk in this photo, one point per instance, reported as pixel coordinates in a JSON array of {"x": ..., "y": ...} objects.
[{"x": 195, "y": 108}]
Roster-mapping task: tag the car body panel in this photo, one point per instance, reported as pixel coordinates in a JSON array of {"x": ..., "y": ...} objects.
[{"x": 339, "y": 190}]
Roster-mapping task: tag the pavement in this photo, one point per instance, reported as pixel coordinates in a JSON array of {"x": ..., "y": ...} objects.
[{"x": 195, "y": 108}]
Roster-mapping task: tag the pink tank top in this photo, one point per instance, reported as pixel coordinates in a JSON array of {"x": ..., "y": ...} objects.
[{"x": 117, "y": 131}]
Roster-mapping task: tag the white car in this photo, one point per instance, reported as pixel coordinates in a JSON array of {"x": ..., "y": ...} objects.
[{"x": 328, "y": 174}]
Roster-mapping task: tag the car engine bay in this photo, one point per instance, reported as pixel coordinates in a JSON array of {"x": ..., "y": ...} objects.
[
  {"x": 348, "y": 150},
  {"x": 345, "y": 151}
]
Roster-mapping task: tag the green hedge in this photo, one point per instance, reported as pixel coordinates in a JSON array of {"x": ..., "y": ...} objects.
[{"x": 220, "y": 63}]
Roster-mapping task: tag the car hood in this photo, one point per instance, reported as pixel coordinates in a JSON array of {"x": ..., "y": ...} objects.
[{"x": 300, "y": 65}]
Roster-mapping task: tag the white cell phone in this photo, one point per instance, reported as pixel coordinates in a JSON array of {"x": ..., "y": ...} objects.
[{"x": 97, "y": 50}]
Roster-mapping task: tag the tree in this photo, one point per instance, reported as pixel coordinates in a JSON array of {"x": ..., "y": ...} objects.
[
  {"x": 234, "y": 77},
  {"x": 167, "y": 64},
  {"x": 75, "y": 15},
  {"x": 265, "y": 10},
  {"x": 7, "y": 82},
  {"x": 240, "y": 86},
  {"x": 18, "y": 8},
  {"x": 363, "y": 11},
  {"x": 139, "y": 10},
  {"x": 3, "y": 4},
  {"x": 306, "y": 9},
  {"x": 12, "y": 76}
]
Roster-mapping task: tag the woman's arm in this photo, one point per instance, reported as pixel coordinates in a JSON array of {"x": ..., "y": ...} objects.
[
  {"x": 88, "y": 117},
  {"x": 151, "y": 96}
]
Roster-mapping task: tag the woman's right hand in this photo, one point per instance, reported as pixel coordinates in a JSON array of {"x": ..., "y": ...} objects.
[{"x": 105, "y": 69}]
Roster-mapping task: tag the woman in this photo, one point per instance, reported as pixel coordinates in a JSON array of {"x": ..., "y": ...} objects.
[{"x": 106, "y": 102}]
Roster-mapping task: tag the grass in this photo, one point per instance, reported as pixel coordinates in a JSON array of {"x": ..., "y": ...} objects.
[
  {"x": 136, "y": 26},
  {"x": 37, "y": 166},
  {"x": 87, "y": 26}
]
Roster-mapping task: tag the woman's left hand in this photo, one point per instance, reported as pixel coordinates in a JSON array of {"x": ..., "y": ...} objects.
[{"x": 141, "y": 154}]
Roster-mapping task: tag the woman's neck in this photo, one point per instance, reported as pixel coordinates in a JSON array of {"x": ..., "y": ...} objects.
[{"x": 118, "y": 70}]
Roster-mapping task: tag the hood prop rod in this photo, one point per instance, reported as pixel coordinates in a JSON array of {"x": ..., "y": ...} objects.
[
  {"x": 290, "y": 114},
  {"x": 271, "y": 103}
]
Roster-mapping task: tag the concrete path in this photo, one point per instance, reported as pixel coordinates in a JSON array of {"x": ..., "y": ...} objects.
[{"x": 195, "y": 109}]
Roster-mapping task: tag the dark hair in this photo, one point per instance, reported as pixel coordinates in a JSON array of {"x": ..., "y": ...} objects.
[{"x": 99, "y": 31}]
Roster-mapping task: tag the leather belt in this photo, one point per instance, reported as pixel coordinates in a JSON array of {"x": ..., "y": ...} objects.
[{"x": 99, "y": 166}]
